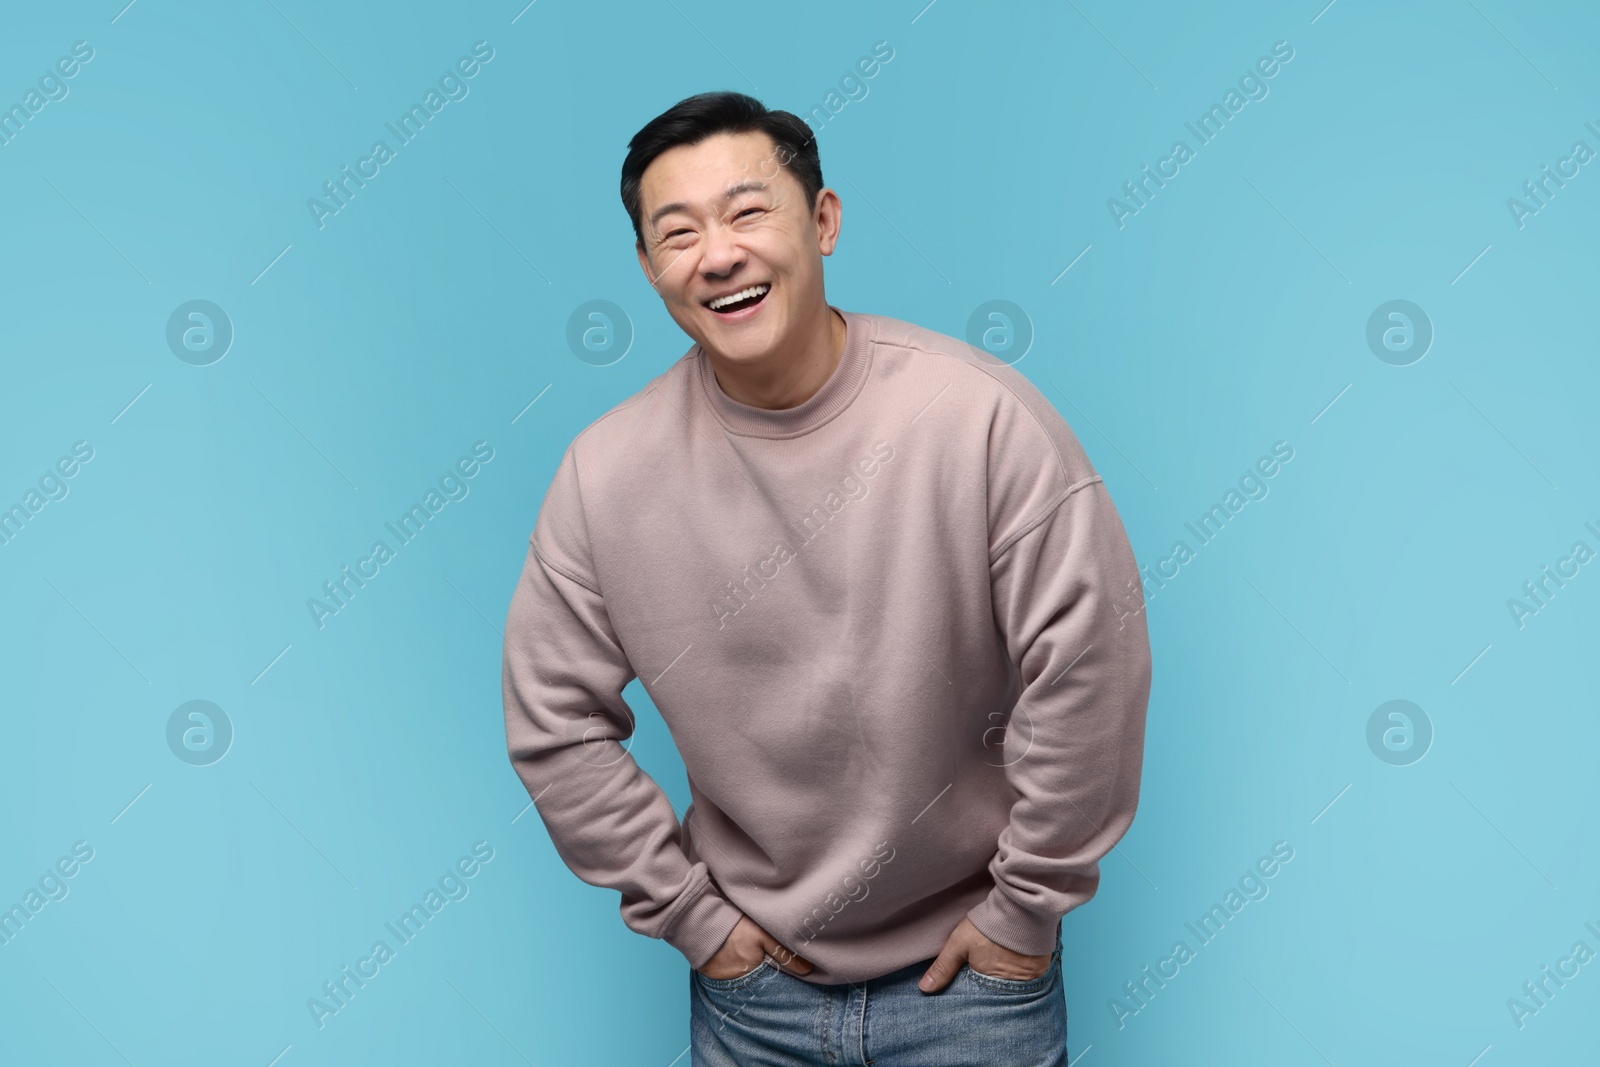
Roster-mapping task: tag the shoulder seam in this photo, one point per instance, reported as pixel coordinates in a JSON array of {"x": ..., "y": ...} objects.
[
  {"x": 1061, "y": 464},
  {"x": 565, "y": 572},
  {"x": 1044, "y": 514}
]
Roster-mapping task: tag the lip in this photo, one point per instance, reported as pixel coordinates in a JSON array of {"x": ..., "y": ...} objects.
[{"x": 744, "y": 314}]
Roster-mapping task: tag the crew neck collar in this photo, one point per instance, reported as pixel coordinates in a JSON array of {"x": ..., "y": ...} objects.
[{"x": 834, "y": 396}]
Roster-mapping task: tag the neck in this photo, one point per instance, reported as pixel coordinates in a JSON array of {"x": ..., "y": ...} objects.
[{"x": 793, "y": 374}]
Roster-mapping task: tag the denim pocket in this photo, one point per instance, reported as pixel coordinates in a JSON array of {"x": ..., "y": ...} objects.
[
  {"x": 738, "y": 981},
  {"x": 1016, "y": 985}
]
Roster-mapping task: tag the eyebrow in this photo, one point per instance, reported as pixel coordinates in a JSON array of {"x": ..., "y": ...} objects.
[{"x": 748, "y": 186}]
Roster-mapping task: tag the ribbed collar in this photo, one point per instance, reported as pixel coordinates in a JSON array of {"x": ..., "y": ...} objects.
[{"x": 834, "y": 396}]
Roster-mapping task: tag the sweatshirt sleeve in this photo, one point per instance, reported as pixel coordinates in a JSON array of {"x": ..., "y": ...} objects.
[
  {"x": 563, "y": 671},
  {"x": 1067, "y": 598}
]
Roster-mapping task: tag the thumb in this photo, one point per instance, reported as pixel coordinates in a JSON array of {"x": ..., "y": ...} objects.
[
  {"x": 783, "y": 955},
  {"x": 944, "y": 967}
]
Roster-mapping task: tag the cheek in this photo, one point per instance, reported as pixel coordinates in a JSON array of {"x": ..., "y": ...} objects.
[
  {"x": 786, "y": 253},
  {"x": 676, "y": 269}
]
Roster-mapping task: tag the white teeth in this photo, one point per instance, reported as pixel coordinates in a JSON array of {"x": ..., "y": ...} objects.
[{"x": 743, "y": 294}]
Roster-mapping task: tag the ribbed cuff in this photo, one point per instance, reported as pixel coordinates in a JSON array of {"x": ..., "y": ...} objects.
[
  {"x": 701, "y": 928},
  {"x": 1010, "y": 925}
]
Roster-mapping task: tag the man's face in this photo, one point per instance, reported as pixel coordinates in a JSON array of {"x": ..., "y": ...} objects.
[{"x": 721, "y": 217}]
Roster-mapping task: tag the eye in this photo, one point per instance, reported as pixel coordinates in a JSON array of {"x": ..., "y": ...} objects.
[{"x": 748, "y": 211}]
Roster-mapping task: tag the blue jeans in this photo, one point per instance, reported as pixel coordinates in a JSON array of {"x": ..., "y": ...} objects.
[{"x": 768, "y": 1018}]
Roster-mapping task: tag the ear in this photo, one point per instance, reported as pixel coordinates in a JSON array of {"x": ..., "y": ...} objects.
[{"x": 827, "y": 219}]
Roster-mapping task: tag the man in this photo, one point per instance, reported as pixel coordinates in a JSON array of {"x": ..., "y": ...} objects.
[{"x": 886, "y": 609}]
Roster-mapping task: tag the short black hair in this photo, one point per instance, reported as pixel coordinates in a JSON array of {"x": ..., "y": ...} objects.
[{"x": 695, "y": 118}]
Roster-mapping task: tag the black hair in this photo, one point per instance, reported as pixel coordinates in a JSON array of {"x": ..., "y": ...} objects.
[{"x": 695, "y": 118}]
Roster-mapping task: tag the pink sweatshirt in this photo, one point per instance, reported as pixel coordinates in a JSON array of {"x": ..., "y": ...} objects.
[{"x": 897, "y": 634}]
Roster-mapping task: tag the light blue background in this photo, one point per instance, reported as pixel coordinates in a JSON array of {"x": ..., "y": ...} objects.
[{"x": 428, "y": 314}]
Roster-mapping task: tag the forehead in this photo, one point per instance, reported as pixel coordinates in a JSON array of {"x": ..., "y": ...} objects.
[{"x": 699, "y": 173}]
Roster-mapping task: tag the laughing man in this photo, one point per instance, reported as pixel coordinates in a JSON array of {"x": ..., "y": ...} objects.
[{"x": 885, "y": 607}]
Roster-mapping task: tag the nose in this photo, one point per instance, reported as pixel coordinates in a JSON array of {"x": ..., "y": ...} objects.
[{"x": 722, "y": 252}]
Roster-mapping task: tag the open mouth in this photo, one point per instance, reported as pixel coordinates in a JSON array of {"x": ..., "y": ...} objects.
[{"x": 745, "y": 298}]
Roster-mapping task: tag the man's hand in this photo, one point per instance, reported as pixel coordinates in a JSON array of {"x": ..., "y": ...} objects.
[
  {"x": 746, "y": 946},
  {"x": 967, "y": 945}
]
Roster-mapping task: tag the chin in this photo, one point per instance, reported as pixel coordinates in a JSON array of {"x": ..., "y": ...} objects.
[
  {"x": 747, "y": 351},
  {"x": 744, "y": 342}
]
